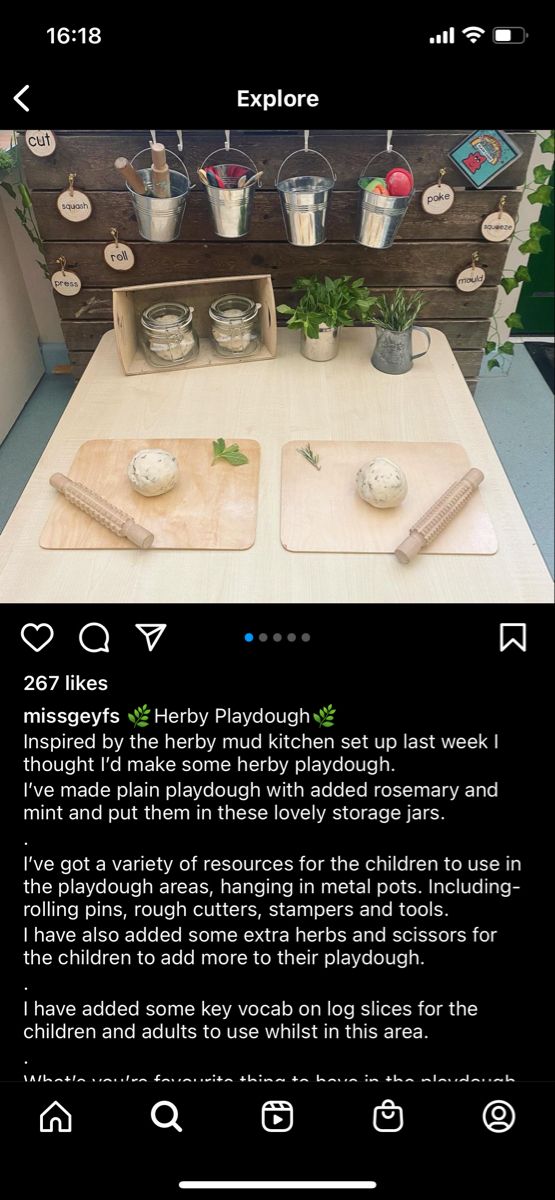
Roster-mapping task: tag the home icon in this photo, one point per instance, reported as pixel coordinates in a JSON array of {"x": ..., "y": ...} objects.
[{"x": 55, "y": 1119}]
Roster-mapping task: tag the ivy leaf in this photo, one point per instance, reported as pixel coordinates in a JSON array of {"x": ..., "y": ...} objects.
[
  {"x": 489, "y": 347},
  {"x": 538, "y": 231},
  {"x": 493, "y": 362},
  {"x": 327, "y": 724},
  {"x": 548, "y": 145},
  {"x": 317, "y": 718},
  {"x": 141, "y": 724},
  {"x": 532, "y": 246},
  {"x": 514, "y": 321},
  {"x": 507, "y": 348},
  {"x": 541, "y": 174},
  {"x": 132, "y": 718},
  {"x": 523, "y": 275},
  {"x": 509, "y": 284},
  {"x": 542, "y": 195}
]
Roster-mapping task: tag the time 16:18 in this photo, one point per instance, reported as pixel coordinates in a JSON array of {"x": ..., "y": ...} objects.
[{"x": 64, "y": 35}]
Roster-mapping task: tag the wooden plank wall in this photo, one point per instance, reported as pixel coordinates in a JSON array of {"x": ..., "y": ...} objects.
[{"x": 428, "y": 253}]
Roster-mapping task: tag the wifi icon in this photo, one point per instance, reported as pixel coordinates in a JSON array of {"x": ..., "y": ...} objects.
[{"x": 473, "y": 33}]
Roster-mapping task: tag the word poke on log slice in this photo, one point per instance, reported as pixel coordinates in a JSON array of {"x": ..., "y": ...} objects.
[
  {"x": 95, "y": 506},
  {"x": 439, "y": 515}
]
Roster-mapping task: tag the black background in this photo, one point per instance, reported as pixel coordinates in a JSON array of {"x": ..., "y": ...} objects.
[
  {"x": 175, "y": 66},
  {"x": 186, "y": 66},
  {"x": 386, "y": 670}
]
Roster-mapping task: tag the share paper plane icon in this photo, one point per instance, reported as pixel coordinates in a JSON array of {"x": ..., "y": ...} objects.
[{"x": 152, "y": 633}]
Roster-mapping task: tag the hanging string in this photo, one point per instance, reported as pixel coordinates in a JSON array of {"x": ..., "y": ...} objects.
[
  {"x": 389, "y": 143},
  {"x": 179, "y": 133},
  {"x": 306, "y": 137},
  {"x": 226, "y": 143}
]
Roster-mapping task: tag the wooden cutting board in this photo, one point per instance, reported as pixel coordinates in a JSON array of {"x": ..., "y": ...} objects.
[
  {"x": 210, "y": 508},
  {"x": 322, "y": 511}
]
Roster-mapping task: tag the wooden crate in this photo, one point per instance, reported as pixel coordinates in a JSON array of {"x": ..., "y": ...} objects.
[{"x": 130, "y": 302}]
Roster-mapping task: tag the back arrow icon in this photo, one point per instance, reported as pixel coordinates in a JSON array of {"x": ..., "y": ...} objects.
[{"x": 18, "y": 99}]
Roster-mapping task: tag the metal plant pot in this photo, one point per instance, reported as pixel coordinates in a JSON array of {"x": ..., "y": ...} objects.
[{"x": 322, "y": 348}]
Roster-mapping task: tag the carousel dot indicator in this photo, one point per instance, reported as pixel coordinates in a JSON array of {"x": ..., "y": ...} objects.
[
  {"x": 263, "y": 637},
  {"x": 305, "y": 637},
  {"x": 277, "y": 637},
  {"x": 291, "y": 637},
  {"x": 249, "y": 637}
]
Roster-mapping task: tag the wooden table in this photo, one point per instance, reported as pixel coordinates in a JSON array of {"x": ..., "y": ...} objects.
[{"x": 274, "y": 402}]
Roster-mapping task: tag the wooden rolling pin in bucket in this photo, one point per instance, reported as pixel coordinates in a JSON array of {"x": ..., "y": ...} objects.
[{"x": 160, "y": 206}]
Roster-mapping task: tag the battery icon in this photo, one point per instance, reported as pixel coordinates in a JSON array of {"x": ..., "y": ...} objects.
[{"x": 509, "y": 35}]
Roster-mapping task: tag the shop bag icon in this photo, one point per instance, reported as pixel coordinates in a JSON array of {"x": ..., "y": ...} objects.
[{"x": 388, "y": 1117}]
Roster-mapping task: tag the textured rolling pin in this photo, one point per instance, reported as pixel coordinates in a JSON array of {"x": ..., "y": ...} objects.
[
  {"x": 439, "y": 515},
  {"x": 101, "y": 510}
]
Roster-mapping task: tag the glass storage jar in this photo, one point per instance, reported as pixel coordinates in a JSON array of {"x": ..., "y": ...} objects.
[
  {"x": 167, "y": 334},
  {"x": 235, "y": 325}
]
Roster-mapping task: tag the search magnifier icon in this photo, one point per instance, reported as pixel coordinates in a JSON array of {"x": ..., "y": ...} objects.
[{"x": 165, "y": 1124}]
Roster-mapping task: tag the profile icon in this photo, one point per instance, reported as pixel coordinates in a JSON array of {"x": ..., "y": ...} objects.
[{"x": 499, "y": 1116}]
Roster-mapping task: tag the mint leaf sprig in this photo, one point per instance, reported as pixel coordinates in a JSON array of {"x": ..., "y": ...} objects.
[{"x": 230, "y": 454}]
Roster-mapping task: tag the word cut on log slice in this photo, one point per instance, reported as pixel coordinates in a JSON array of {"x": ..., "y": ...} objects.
[{"x": 41, "y": 142}]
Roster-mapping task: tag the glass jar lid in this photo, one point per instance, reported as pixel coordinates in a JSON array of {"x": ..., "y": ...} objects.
[
  {"x": 233, "y": 308},
  {"x": 167, "y": 316}
]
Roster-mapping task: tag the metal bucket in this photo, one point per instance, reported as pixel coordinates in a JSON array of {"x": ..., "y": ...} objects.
[
  {"x": 379, "y": 217},
  {"x": 231, "y": 206},
  {"x": 304, "y": 203},
  {"x": 160, "y": 220}
]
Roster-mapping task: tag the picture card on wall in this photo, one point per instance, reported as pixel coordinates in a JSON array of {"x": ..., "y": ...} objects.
[{"x": 483, "y": 155}]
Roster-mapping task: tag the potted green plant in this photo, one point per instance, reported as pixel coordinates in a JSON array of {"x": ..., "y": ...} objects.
[
  {"x": 9, "y": 156},
  {"x": 324, "y": 307},
  {"x": 394, "y": 320}
]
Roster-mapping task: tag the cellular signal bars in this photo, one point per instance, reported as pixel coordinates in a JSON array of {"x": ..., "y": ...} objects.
[{"x": 444, "y": 38}]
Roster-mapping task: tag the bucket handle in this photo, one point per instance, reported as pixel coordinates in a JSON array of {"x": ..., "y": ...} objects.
[
  {"x": 226, "y": 149},
  {"x": 307, "y": 151},
  {"x": 180, "y": 161},
  {"x": 388, "y": 150}
]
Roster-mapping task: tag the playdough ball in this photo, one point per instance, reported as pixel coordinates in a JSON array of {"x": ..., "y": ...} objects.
[
  {"x": 399, "y": 182},
  {"x": 381, "y": 483},
  {"x": 153, "y": 472}
]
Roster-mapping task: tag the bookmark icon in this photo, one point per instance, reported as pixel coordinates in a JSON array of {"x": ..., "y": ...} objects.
[{"x": 152, "y": 634}]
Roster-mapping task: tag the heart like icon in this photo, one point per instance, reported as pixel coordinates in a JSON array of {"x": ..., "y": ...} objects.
[{"x": 37, "y": 636}]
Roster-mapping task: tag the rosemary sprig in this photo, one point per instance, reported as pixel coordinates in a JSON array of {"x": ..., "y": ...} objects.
[{"x": 308, "y": 453}]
